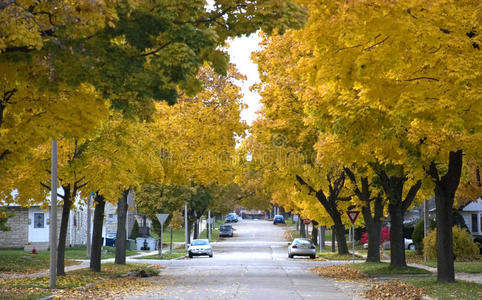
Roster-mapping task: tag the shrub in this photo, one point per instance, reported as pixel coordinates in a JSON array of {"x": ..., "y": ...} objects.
[
  {"x": 417, "y": 236},
  {"x": 464, "y": 247},
  {"x": 135, "y": 231}
]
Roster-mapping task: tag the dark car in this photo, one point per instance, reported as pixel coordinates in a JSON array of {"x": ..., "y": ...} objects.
[
  {"x": 278, "y": 219},
  {"x": 226, "y": 230},
  {"x": 231, "y": 218}
]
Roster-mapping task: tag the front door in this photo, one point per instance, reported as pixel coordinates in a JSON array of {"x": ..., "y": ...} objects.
[{"x": 38, "y": 229}]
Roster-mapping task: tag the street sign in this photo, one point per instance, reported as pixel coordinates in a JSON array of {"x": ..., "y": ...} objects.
[
  {"x": 352, "y": 215},
  {"x": 306, "y": 222},
  {"x": 295, "y": 218},
  {"x": 162, "y": 218}
]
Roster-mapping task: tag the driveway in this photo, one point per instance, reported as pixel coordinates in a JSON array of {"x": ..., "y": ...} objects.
[{"x": 252, "y": 265}]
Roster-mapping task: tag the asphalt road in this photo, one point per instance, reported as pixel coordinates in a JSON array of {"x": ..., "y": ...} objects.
[{"x": 252, "y": 265}]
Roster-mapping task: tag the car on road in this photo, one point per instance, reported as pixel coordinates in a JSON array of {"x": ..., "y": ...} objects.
[
  {"x": 226, "y": 230},
  {"x": 232, "y": 217},
  {"x": 302, "y": 247},
  {"x": 200, "y": 247},
  {"x": 278, "y": 219}
]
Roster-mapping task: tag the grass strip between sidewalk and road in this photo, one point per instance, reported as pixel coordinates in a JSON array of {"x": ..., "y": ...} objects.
[
  {"x": 459, "y": 290},
  {"x": 36, "y": 287},
  {"x": 165, "y": 255}
]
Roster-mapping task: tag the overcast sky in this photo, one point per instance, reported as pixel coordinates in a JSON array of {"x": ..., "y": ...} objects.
[{"x": 240, "y": 55}]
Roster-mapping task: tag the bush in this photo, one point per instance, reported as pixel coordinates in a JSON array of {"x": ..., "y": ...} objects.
[
  {"x": 417, "y": 236},
  {"x": 464, "y": 247},
  {"x": 135, "y": 231}
]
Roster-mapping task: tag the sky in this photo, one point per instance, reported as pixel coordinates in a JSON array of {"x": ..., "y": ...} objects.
[{"x": 240, "y": 55}]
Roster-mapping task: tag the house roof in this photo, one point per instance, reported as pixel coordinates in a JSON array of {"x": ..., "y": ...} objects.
[{"x": 474, "y": 206}]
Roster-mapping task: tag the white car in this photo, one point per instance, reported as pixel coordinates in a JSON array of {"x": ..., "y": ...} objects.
[
  {"x": 200, "y": 247},
  {"x": 409, "y": 245},
  {"x": 302, "y": 247}
]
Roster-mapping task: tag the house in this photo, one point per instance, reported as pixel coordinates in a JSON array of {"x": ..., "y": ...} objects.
[
  {"x": 472, "y": 214},
  {"x": 30, "y": 226}
]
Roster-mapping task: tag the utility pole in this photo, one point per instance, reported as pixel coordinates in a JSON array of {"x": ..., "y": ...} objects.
[
  {"x": 53, "y": 218},
  {"x": 209, "y": 224},
  {"x": 185, "y": 227}
]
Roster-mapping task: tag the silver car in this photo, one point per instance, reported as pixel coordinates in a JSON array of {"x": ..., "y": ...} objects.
[
  {"x": 302, "y": 247},
  {"x": 200, "y": 247}
]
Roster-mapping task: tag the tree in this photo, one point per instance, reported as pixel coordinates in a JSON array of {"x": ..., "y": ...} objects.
[{"x": 4, "y": 216}]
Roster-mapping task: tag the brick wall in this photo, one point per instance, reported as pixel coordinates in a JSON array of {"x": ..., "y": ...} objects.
[{"x": 18, "y": 236}]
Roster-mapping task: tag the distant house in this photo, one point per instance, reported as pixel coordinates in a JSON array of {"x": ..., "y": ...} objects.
[{"x": 472, "y": 214}]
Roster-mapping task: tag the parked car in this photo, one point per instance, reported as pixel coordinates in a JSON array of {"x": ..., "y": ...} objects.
[
  {"x": 302, "y": 247},
  {"x": 409, "y": 245},
  {"x": 278, "y": 219},
  {"x": 200, "y": 247},
  {"x": 385, "y": 240},
  {"x": 226, "y": 230},
  {"x": 232, "y": 217}
]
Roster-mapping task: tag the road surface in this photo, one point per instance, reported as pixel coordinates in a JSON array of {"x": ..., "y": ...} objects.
[{"x": 252, "y": 265}]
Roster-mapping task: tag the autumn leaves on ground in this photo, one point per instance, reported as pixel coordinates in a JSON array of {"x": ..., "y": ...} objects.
[{"x": 366, "y": 105}]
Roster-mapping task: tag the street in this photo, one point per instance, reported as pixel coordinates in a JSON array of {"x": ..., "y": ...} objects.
[{"x": 251, "y": 265}]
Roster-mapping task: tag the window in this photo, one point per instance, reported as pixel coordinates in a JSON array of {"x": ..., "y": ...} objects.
[
  {"x": 38, "y": 220},
  {"x": 474, "y": 223},
  {"x": 481, "y": 223}
]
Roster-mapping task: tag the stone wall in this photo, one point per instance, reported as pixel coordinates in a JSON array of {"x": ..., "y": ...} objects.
[{"x": 18, "y": 236}]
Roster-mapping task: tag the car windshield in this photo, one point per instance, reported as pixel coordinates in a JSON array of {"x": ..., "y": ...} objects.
[
  {"x": 302, "y": 242},
  {"x": 200, "y": 242},
  {"x": 225, "y": 227}
]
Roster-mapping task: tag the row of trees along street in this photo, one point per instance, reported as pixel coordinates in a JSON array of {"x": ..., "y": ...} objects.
[
  {"x": 135, "y": 92},
  {"x": 374, "y": 105}
]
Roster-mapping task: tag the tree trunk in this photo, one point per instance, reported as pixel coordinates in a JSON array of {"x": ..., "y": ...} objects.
[
  {"x": 374, "y": 228},
  {"x": 64, "y": 223},
  {"x": 333, "y": 233},
  {"x": 314, "y": 233},
  {"x": 322, "y": 242},
  {"x": 120, "y": 241},
  {"x": 340, "y": 234},
  {"x": 397, "y": 244},
  {"x": 196, "y": 229},
  {"x": 393, "y": 187},
  {"x": 445, "y": 189},
  {"x": 96, "y": 248},
  {"x": 302, "y": 228}
]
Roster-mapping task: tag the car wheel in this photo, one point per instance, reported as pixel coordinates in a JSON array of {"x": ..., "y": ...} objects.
[
  {"x": 211, "y": 256},
  {"x": 290, "y": 256},
  {"x": 190, "y": 255},
  {"x": 312, "y": 256},
  {"x": 411, "y": 247}
]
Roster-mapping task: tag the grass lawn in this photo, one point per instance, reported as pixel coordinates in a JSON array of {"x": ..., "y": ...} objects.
[
  {"x": 20, "y": 261},
  {"x": 81, "y": 253},
  {"x": 371, "y": 269},
  {"x": 35, "y": 287},
  {"x": 461, "y": 266},
  {"x": 166, "y": 255},
  {"x": 444, "y": 291},
  {"x": 177, "y": 236},
  {"x": 327, "y": 254}
]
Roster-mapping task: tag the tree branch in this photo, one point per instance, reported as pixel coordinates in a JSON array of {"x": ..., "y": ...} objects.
[{"x": 157, "y": 50}]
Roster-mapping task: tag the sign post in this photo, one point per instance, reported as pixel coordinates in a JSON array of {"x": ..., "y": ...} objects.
[
  {"x": 352, "y": 215},
  {"x": 162, "y": 219}
]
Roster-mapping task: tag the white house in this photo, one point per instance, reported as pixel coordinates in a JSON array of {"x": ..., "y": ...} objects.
[{"x": 472, "y": 214}]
